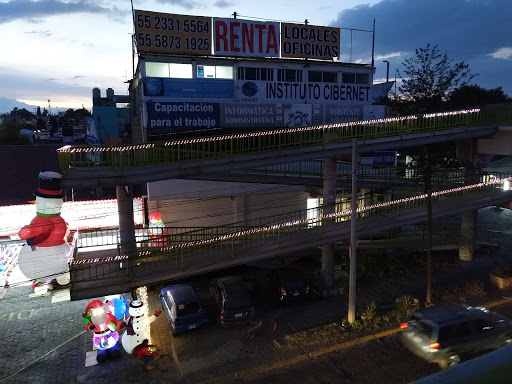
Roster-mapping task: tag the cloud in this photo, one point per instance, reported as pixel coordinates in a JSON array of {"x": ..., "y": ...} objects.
[
  {"x": 187, "y": 4},
  {"x": 35, "y": 11},
  {"x": 502, "y": 53},
  {"x": 223, "y": 4},
  {"x": 389, "y": 55},
  {"x": 467, "y": 30},
  {"x": 46, "y": 33},
  {"x": 464, "y": 28}
]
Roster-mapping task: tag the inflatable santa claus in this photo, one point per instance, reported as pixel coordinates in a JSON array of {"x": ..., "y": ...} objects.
[
  {"x": 105, "y": 328},
  {"x": 46, "y": 254}
]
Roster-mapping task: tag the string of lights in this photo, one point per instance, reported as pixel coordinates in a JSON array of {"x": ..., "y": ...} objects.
[
  {"x": 307, "y": 221},
  {"x": 178, "y": 142}
]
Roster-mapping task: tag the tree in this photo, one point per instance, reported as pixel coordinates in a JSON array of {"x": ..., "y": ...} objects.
[
  {"x": 473, "y": 95},
  {"x": 76, "y": 116},
  {"x": 10, "y": 133},
  {"x": 430, "y": 77}
]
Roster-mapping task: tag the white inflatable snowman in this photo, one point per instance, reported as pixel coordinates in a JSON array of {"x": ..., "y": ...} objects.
[
  {"x": 136, "y": 328},
  {"x": 46, "y": 254}
]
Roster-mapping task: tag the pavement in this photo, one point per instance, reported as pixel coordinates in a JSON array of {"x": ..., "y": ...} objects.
[{"x": 44, "y": 340}]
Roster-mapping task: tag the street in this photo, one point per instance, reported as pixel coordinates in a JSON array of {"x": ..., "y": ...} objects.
[{"x": 45, "y": 341}]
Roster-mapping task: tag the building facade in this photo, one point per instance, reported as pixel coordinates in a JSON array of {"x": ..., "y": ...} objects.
[
  {"x": 239, "y": 75},
  {"x": 205, "y": 76}
]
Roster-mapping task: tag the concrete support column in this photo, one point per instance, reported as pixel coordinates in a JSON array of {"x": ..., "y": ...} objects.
[
  {"x": 240, "y": 208},
  {"x": 468, "y": 158},
  {"x": 329, "y": 201},
  {"x": 126, "y": 226},
  {"x": 467, "y": 236}
]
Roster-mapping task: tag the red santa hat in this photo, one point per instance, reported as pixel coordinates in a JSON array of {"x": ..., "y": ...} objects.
[{"x": 94, "y": 305}]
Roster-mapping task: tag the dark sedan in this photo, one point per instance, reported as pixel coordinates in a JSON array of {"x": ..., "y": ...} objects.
[{"x": 289, "y": 282}]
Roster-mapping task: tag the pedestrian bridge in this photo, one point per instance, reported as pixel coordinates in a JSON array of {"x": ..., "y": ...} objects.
[
  {"x": 287, "y": 234},
  {"x": 295, "y": 231},
  {"x": 190, "y": 158}
]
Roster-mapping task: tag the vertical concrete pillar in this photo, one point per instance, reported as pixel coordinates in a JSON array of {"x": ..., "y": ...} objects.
[
  {"x": 467, "y": 236},
  {"x": 329, "y": 202},
  {"x": 468, "y": 158},
  {"x": 126, "y": 226},
  {"x": 240, "y": 208}
]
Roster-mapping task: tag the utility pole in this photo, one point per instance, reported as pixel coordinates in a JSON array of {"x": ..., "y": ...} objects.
[
  {"x": 353, "y": 240},
  {"x": 428, "y": 191},
  {"x": 387, "y": 70}
]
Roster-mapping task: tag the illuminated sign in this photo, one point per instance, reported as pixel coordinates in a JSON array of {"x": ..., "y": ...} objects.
[
  {"x": 309, "y": 41},
  {"x": 235, "y": 37},
  {"x": 173, "y": 34}
]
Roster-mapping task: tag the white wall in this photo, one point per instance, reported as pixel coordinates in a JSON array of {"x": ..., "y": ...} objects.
[{"x": 220, "y": 205}]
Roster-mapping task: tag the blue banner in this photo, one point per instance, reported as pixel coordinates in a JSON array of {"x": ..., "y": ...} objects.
[{"x": 182, "y": 116}]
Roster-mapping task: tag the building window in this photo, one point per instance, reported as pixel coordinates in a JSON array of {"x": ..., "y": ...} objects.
[
  {"x": 180, "y": 71},
  {"x": 214, "y": 72},
  {"x": 348, "y": 78},
  {"x": 157, "y": 69},
  {"x": 322, "y": 77},
  {"x": 166, "y": 70},
  {"x": 355, "y": 78},
  {"x": 289, "y": 75},
  {"x": 362, "y": 78},
  {"x": 249, "y": 73}
]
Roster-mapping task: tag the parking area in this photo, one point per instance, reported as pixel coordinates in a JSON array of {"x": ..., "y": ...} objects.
[{"x": 45, "y": 340}]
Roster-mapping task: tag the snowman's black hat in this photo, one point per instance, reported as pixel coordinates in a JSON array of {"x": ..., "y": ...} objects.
[{"x": 49, "y": 185}]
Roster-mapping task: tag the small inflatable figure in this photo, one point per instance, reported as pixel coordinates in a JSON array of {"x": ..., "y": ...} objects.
[
  {"x": 136, "y": 328},
  {"x": 105, "y": 328}
]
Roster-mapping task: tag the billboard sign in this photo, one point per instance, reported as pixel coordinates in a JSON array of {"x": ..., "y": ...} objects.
[
  {"x": 248, "y": 115},
  {"x": 343, "y": 113},
  {"x": 166, "y": 33},
  {"x": 236, "y": 37},
  {"x": 191, "y": 88},
  {"x": 172, "y": 34},
  {"x": 187, "y": 116},
  {"x": 322, "y": 93},
  {"x": 309, "y": 41}
]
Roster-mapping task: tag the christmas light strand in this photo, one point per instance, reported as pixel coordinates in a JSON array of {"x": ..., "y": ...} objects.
[
  {"x": 302, "y": 221},
  {"x": 143, "y": 293},
  {"x": 178, "y": 142}
]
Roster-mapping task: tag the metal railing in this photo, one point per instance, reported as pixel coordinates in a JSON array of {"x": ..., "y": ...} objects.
[
  {"x": 228, "y": 146},
  {"x": 292, "y": 228}
]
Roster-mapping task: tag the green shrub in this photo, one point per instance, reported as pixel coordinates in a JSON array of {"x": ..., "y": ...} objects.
[
  {"x": 460, "y": 293},
  {"x": 357, "y": 325},
  {"x": 404, "y": 308},
  {"x": 370, "y": 317}
]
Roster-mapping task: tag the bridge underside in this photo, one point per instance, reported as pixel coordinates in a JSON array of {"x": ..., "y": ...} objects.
[{"x": 159, "y": 269}]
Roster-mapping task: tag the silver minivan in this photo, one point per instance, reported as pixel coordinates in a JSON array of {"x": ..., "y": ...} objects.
[{"x": 448, "y": 334}]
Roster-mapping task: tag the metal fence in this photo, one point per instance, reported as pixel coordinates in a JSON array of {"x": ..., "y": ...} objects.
[
  {"x": 228, "y": 146},
  {"x": 192, "y": 247}
]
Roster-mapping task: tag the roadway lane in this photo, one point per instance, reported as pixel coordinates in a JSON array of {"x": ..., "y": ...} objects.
[{"x": 381, "y": 361}]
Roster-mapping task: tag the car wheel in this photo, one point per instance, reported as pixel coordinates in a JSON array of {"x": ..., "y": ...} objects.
[{"x": 452, "y": 360}]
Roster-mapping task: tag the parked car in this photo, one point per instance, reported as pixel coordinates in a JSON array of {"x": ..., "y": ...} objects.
[
  {"x": 450, "y": 333},
  {"x": 289, "y": 283},
  {"x": 183, "y": 308},
  {"x": 234, "y": 300}
]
